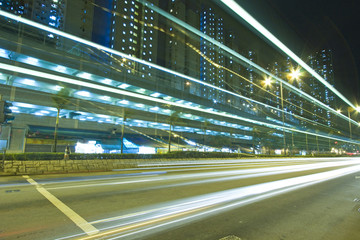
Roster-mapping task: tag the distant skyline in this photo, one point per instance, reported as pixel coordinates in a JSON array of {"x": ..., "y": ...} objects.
[{"x": 329, "y": 24}]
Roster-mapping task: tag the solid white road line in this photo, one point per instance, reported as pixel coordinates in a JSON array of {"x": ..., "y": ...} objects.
[{"x": 76, "y": 218}]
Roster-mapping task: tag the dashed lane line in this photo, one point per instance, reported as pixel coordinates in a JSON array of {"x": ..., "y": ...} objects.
[{"x": 76, "y": 218}]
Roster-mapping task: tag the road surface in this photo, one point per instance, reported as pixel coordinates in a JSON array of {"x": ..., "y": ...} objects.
[{"x": 316, "y": 198}]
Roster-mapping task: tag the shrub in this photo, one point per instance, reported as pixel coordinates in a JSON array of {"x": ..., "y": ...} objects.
[{"x": 171, "y": 155}]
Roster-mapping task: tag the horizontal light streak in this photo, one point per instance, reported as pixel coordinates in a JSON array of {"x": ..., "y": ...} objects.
[
  {"x": 123, "y": 55},
  {"x": 219, "y": 175},
  {"x": 102, "y": 184},
  {"x": 53, "y": 77},
  {"x": 207, "y": 204},
  {"x": 89, "y": 43}
]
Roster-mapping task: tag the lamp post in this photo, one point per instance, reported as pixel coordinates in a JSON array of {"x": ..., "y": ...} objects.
[
  {"x": 283, "y": 116},
  {"x": 293, "y": 75},
  {"x": 348, "y": 110},
  {"x": 267, "y": 82}
]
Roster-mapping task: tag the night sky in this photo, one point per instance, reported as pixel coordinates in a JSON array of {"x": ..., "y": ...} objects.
[{"x": 329, "y": 24}]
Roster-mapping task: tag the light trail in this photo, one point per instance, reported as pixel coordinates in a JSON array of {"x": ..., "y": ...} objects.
[
  {"x": 123, "y": 55},
  {"x": 214, "y": 176},
  {"x": 237, "y": 9},
  {"x": 195, "y": 208},
  {"x": 53, "y": 77},
  {"x": 239, "y": 56}
]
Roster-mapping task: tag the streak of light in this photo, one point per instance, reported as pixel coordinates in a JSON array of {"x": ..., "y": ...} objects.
[
  {"x": 102, "y": 184},
  {"x": 192, "y": 29},
  {"x": 229, "y": 50},
  {"x": 209, "y": 204},
  {"x": 237, "y": 9},
  {"x": 221, "y": 176},
  {"x": 53, "y": 77}
]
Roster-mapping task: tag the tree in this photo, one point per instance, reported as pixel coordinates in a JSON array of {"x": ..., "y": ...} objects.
[
  {"x": 205, "y": 126},
  {"x": 173, "y": 119},
  {"x": 269, "y": 141},
  {"x": 126, "y": 113},
  {"x": 255, "y": 137},
  {"x": 61, "y": 99}
]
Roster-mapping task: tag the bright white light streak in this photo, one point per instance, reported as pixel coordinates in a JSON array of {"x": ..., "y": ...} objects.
[
  {"x": 229, "y": 50},
  {"x": 211, "y": 203},
  {"x": 152, "y": 99},
  {"x": 249, "y": 19},
  {"x": 125, "y": 56},
  {"x": 101, "y": 184},
  {"x": 216, "y": 176}
]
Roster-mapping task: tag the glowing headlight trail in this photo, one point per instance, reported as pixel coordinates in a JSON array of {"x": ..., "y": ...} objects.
[
  {"x": 240, "y": 96},
  {"x": 153, "y": 99},
  {"x": 236, "y": 8},
  {"x": 229, "y": 50},
  {"x": 123, "y": 55},
  {"x": 216, "y": 202},
  {"x": 216, "y": 176}
]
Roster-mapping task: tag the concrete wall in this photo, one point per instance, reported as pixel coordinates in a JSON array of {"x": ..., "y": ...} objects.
[{"x": 66, "y": 166}]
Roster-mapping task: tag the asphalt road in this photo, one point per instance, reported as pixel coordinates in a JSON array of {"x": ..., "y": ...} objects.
[{"x": 230, "y": 199}]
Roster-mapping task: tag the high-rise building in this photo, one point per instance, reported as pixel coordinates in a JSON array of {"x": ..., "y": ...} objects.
[
  {"x": 180, "y": 51},
  {"x": 126, "y": 26},
  {"x": 321, "y": 62},
  {"x": 50, "y": 13},
  {"x": 22, "y": 8},
  {"x": 213, "y": 26}
]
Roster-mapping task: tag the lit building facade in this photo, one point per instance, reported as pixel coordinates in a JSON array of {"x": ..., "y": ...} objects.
[
  {"x": 213, "y": 26},
  {"x": 50, "y": 13},
  {"x": 321, "y": 62},
  {"x": 180, "y": 52}
]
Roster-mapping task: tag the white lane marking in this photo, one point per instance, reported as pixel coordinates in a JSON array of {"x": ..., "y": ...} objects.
[
  {"x": 231, "y": 237},
  {"x": 76, "y": 218},
  {"x": 101, "y": 184}
]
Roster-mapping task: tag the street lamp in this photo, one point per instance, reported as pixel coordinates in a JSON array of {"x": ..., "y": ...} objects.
[
  {"x": 283, "y": 116},
  {"x": 268, "y": 82},
  {"x": 349, "y": 109},
  {"x": 294, "y": 74}
]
